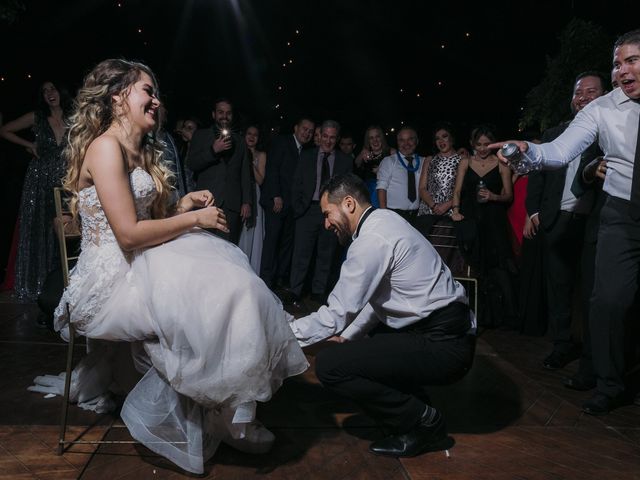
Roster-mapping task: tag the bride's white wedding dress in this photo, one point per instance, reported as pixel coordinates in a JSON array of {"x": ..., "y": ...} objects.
[{"x": 215, "y": 338}]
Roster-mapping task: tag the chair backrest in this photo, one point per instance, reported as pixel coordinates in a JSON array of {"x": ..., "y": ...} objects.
[
  {"x": 444, "y": 239},
  {"x": 67, "y": 233}
]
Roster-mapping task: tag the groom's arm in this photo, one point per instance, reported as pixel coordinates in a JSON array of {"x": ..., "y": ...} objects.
[
  {"x": 364, "y": 322},
  {"x": 359, "y": 279}
]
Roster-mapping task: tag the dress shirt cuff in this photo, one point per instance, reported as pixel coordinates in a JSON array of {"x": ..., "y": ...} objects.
[
  {"x": 533, "y": 157},
  {"x": 545, "y": 155},
  {"x": 296, "y": 332},
  {"x": 533, "y": 215},
  {"x": 308, "y": 331}
]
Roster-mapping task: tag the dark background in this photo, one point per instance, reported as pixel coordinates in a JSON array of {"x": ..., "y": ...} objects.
[
  {"x": 360, "y": 62},
  {"x": 351, "y": 58}
]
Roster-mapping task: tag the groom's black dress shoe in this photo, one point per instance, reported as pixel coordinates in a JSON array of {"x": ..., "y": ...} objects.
[
  {"x": 600, "y": 404},
  {"x": 422, "y": 438}
]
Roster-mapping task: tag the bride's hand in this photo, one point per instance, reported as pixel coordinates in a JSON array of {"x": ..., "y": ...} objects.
[
  {"x": 199, "y": 199},
  {"x": 211, "y": 217}
]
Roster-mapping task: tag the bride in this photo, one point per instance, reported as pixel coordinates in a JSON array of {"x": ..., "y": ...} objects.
[{"x": 215, "y": 339}]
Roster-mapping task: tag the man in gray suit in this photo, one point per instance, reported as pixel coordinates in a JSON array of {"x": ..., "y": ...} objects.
[
  {"x": 220, "y": 162},
  {"x": 316, "y": 166}
]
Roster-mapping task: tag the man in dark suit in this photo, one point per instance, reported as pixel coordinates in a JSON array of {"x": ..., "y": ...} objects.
[
  {"x": 275, "y": 198},
  {"x": 317, "y": 165},
  {"x": 218, "y": 158},
  {"x": 556, "y": 203}
]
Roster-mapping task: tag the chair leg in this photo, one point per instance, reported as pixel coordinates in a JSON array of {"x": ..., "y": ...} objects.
[{"x": 67, "y": 387}]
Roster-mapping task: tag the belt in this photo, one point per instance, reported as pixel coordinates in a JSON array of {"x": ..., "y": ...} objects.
[
  {"x": 566, "y": 213},
  {"x": 446, "y": 323}
]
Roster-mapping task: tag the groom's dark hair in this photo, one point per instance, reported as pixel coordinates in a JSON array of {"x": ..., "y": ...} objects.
[{"x": 340, "y": 186}]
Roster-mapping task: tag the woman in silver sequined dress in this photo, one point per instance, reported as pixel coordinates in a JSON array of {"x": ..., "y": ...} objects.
[{"x": 37, "y": 249}]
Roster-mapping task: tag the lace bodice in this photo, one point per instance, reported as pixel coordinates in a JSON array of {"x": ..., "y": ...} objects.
[{"x": 95, "y": 227}]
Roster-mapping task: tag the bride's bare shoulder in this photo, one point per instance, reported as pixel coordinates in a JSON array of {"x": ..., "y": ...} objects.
[{"x": 104, "y": 150}]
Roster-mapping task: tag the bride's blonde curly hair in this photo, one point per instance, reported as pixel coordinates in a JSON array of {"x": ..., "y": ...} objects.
[{"x": 93, "y": 113}]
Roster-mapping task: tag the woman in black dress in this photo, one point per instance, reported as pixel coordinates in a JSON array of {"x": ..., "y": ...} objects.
[
  {"x": 37, "y": 249},
  {"x": 481, "y": 197}
]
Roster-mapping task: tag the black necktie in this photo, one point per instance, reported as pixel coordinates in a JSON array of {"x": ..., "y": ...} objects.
[
  {"x": 634, "y": 209},
  {"x": 411, "y": 180},
  {"x": 325, "y": 172}
]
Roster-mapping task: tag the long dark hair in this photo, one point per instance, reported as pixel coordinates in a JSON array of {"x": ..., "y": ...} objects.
[{"x": 66, "y": 102}]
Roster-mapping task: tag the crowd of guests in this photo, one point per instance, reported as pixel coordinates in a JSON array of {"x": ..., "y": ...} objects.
[{"x": 529, "y": 240}]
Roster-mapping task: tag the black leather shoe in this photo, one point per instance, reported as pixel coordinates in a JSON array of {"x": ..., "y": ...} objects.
[
  {"x": 422, "y": 438},
  {"x": 599, "y": 404},
  {"x": 557, "y": 360},
  {"x": 578, "y": 382}
]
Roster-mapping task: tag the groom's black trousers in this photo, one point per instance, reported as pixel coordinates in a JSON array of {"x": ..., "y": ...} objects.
[{"x": 383, "y": 372}]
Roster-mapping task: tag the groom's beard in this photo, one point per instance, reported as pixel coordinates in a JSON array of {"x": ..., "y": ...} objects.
[{"x": 341, "y": 229}]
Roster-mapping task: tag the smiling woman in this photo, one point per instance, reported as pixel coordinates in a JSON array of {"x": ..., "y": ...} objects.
[{"x": 37, "y": 251}]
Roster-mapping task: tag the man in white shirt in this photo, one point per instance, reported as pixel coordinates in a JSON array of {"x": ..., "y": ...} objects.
[
  {"x": 399, "y": 176},
  {"x": 613, "y": 119},
  {"x": 393, "y": 280}
]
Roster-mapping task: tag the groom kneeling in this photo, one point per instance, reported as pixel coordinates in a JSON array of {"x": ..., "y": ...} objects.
[{"x": 393, "y": 280}]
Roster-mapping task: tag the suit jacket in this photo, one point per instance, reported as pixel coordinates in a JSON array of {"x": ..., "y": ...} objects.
[
  {"x": 226, "y": 174},
  {"x": 282, "y": 161},
  {"x": 306, "y": 177},
  {"x": 545, "y": 187}
]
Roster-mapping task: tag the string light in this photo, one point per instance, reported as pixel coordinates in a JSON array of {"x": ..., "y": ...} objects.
[
  {"x": 28, "y": 75},
  {"x": 467, "y": 34},
  {"x": 440, "y": 83},
  {"x": 140, "y": 30},
  {"x": 418, "y": 94},
  {"x": 442, "y": 46},
  {"x": 291, "y": 60}
]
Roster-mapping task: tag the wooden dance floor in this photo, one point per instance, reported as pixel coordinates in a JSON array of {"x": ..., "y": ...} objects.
[{"x": 509, "y": 418}]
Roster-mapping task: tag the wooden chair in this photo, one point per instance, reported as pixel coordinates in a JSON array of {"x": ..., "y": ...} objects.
[
  {"x": 69, "y": 243},
  {"x": 444, "y": 240}
]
